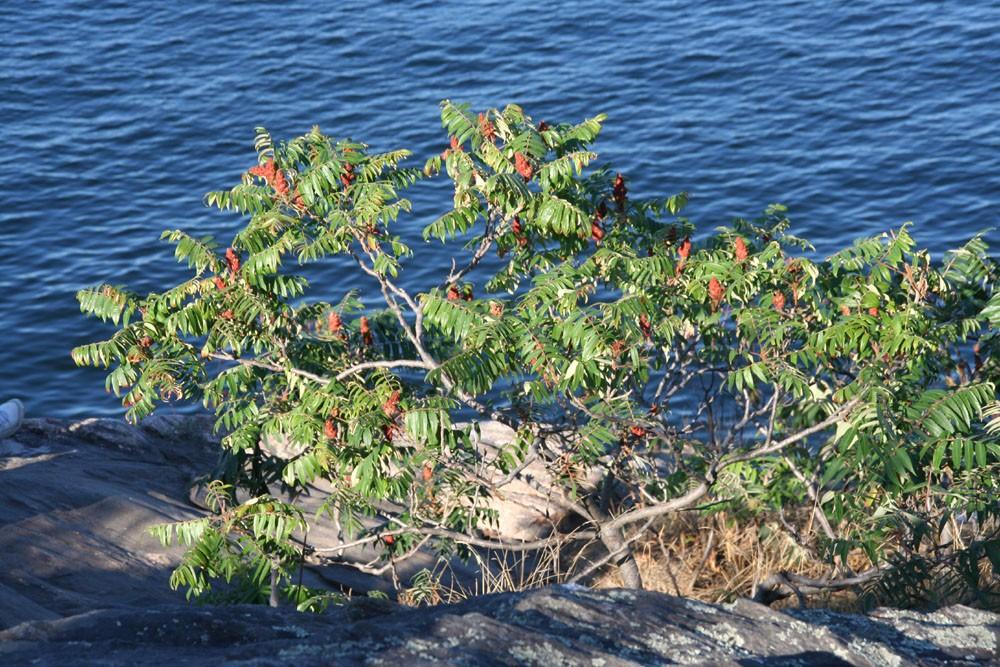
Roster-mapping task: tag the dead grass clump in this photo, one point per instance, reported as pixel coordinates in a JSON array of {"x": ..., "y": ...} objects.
[{"x": 717, "y": 558}]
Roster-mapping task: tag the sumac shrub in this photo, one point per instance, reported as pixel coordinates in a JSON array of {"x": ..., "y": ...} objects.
[{"x": 646, "y": 366}]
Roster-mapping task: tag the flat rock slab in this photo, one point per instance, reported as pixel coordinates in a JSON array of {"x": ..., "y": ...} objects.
[
  {"x": 550, "y": 627},
  {"x": 76, "y": 502}
]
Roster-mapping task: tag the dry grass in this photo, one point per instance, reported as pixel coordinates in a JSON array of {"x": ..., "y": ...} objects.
[
  {"x": 499, "y": 572},
  {"x": 712, "y": 558},
  {"x": 717, "y": 558}
]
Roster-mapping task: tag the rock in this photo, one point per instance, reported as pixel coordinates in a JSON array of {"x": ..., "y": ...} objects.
[
  {"x": 525, "y": 511},
  {"x": 82, "y": 581},
  {"x": 77, "y": 500},
  {"x": 555, "y": 626}
]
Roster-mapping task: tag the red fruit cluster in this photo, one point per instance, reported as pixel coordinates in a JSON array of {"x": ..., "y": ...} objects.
[
  {"x": 330, "y": 429},
  {"x": 280, "y": 185},
  {"x": 266, "y": 171},
  {"x": 220, "y": 284},
  {"x": 486, "y": 127},
  {"x": 740, "y": 249},
  {"x": 272, "y": 176},
  {"x": 684, "y": 251},
  {"x": 518, "y": 230},
  {"x": 596, "y": 232},
  {"x": 366, "y": 332},
  {"x": 617, "y": 347},
  {"x": 645, "y": 326},
  {"x": 226, "y": 314},
  {"x": 845, "y": 310},
  {"x": 334, "y": 323},
  {"x": 873, "y": 311},
  {"x": 453, "y": 294},
  {"x": 778, "y": 300},
  {"x": 637, "y": 430},
  {"x": 456, "y": 145},
  {"x": 427, "y": 473},
  {"x": 347, "y": 177},
  {"x": 715, "y": 291},
  {"x": 145, "y": 342},
  {"x": 542, "y": 126},
  {"x": 391, "y": 405},
  {"x": 496, "y": 309},
  {"x": 523, "y": 167},
  {"x": 619, "y": 192},
  {"x": 232, "y": 260}
]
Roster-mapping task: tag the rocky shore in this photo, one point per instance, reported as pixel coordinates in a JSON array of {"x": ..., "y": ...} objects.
[{"x": 83, "y": 582}]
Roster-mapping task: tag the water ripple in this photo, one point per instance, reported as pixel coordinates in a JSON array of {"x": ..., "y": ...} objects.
[{"x": 118, "y": 116}]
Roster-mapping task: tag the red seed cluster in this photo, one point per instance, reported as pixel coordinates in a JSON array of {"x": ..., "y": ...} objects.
[
  {"x": 220, "y": 284},
  {"x": 330, "y": 429},
  {"x": 391, "y": 405},
  {"x": 272, "y": 176},
  {"x": 740, "y": 249},
  {"x": 232, "y": 260},
  {"x": 542, "y": 126},
  {"x": 637, "y": 431},
  {"x": 620, "y": 192},
  {"x": 280, "y": 185},
  {"x": 715, "y": 291},
  {"x": 518, "y": 230},
  {"x": 684, "y": 251},
  {"x": 596, "y": 232},
  {"x": 334, "y": 323},
  {"x": 226, "y": 314},
  {"x": 486, "y": 127},
  {"x": 427, "y": 473},
  {"x": 645, "y": 326},
  {"x": 873, "y": 311},
  {"x": 265, "y": 171},
  {"x": 523, "y": 167},
  {"x": 453, "y": 294},
  {"x": 347, "y": 176},
  {"x": 366, "y": 332},
  {"x": 778, "y": 301}
]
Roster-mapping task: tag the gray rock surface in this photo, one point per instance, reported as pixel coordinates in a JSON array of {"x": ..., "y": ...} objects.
[
  {"x": 82, "y": 582},
  {"x": 77, "y": 500},
  {"x": 550, "y": 627}
]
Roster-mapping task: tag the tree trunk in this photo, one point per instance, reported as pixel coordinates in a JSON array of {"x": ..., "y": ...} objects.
[
  {"x": 612, "y": 539},
  {"x": 623, "y": 559},
  {"x": 273, "y": 601}
]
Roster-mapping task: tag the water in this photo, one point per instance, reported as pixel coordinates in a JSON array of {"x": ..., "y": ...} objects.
[{"x": 118, "y": 116}]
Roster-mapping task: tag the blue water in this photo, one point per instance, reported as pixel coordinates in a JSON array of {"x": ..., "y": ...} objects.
[{"x": 116, "y": 117}]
